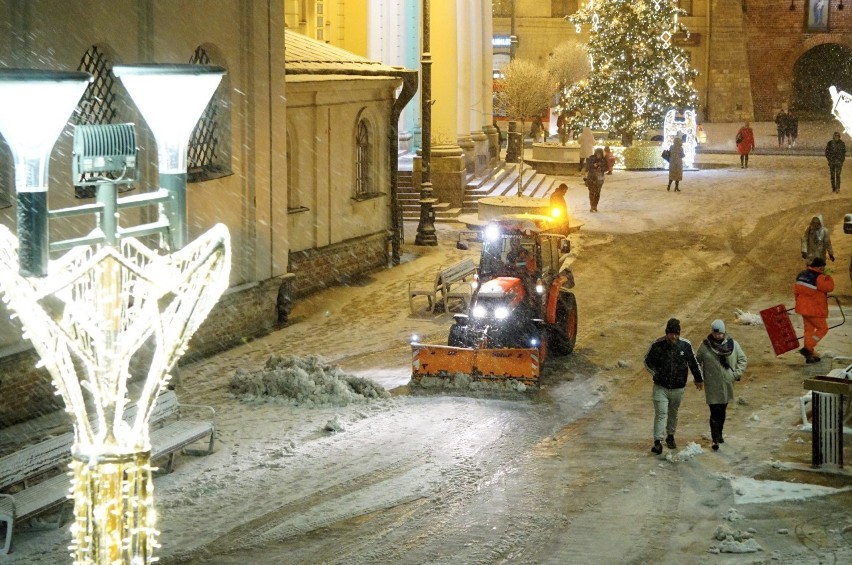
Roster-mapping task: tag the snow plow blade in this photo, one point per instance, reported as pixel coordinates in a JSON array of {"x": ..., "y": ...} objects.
[{"x": 442, "y": 361}]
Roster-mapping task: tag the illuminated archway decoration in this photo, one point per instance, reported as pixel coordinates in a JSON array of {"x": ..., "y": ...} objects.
[
  {"x": 841, "y": 108},
  {"x": 678, "y": 125}
]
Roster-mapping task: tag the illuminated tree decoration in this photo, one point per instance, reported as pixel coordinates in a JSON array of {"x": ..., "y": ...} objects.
[{"x": 637, "y": 73}]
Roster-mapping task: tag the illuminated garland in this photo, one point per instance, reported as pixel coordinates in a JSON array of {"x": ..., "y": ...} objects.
[
  {"x": 95, "y": 309},
  {"x": 637, "y": 73}
]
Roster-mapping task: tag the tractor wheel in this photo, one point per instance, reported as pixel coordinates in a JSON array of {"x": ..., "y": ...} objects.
[{"x": 564, "y": 331}]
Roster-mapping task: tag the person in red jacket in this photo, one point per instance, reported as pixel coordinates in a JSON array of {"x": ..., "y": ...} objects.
[
  {"x": 745, "y": 144},
  {"x": 811, "y": 290}
]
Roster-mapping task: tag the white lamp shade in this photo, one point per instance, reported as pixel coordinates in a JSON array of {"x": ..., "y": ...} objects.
[
  {"x": 171, "y": 98},
  {"x": 35, "y": 107}
]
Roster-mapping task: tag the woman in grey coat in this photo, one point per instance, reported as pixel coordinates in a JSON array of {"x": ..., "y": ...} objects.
[
  {"x": 676, "y": 163},
  {"x": 722, "y": 362}
]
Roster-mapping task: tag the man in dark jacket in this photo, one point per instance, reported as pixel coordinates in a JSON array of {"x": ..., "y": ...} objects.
[
  {"x": 835, "y": 154},
  {"x": 669, "y": 360}
]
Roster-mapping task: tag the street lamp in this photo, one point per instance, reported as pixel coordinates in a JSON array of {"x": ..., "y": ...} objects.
[
  {"x": 36, "y": 106},
  {"x": 108, "y": 297},
  {"x": 171, "y": 98},
  {"x": 426, "y": 226}
]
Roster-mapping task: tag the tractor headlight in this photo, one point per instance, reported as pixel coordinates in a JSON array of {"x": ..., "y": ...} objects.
[
  {"x": 492, "y": 232},
  {"x": 479, "y": 311},
  {"x": 555, "y": 212},
  {"x": 474, "y": 284},
  {"x": 501, "y": 312},
  {"x": 533, "y": 342},
  {"x": 539, "y": 286}
]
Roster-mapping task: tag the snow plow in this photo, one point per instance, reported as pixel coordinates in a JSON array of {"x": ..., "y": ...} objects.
[{"x": 521, "y": 311}]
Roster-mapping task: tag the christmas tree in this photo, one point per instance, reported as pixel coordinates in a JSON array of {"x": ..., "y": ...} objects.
[{"x": 637, "y": 74}]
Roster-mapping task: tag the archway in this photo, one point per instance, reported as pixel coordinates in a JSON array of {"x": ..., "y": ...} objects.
[{"x": 817, "y": 69}]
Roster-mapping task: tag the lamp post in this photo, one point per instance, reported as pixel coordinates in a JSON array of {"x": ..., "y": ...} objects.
[
  {"x": 108, "y": 298},
  {"x": 37, "y": 104},
  {"x": 426, "y": 226}
]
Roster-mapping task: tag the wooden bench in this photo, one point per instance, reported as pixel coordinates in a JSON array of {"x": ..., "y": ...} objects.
[
  {"x": 41, "y": 468},
  {"x": 450, "y": 282}
]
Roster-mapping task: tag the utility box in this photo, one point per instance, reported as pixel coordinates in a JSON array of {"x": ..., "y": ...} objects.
[{"x": 827, "y": 420}]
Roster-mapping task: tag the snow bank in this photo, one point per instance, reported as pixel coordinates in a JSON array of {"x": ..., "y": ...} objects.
[
  {"x": 461, "y": 381},
  {"x": 306, "y": 381}
]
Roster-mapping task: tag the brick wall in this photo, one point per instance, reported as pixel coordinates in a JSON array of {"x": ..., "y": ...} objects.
[
  {"x": 241, "y": 314},
  {"x": 316, "y": 269},
  {"x": 776, "y": 38}
]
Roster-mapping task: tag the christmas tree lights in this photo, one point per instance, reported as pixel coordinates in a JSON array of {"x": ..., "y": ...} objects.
[{"x": 637, "y": 75}]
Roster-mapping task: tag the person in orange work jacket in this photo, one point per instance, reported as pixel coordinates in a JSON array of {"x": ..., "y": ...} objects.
[{"x": 811, "y": 290}]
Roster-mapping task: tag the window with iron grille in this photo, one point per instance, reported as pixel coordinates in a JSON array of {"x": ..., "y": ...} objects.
[
  {"x": 206, "y": 157},
  {"x": 97, "y": 105},
  {"x": 363, "y": 181}
]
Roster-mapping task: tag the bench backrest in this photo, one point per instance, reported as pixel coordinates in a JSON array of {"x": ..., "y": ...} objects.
[
  {"x": 37, "y": 458},
  {"x": 458, "y": 271}
]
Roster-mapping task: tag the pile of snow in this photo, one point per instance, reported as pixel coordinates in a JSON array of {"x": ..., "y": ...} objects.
[
  {"x": 306, "y": 381},
  {"x": 686, "y": 454},
  {"x": 461, "y": 381},
  {"x": 735, "y": 541}
]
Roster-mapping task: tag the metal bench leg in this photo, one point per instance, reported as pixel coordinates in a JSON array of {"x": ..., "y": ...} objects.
[{"x": 10, "y": 527}]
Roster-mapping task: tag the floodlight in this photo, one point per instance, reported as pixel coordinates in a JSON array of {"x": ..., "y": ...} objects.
[
  {"x": 171, "y": 98},
  {"x": 34, "y": 108}
]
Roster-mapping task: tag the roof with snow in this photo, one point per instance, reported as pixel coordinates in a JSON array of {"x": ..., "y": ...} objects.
[{"x": 304, "y": 55}]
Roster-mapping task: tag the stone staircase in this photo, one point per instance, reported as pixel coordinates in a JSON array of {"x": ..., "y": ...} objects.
[{"x": 501, "y": 181}]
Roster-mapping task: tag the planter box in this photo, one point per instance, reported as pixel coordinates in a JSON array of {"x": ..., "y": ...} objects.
[
  {"x": 569, "y": 153},
  {"x": 644, "y": 156}
]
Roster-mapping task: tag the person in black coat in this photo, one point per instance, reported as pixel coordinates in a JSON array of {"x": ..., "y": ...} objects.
[
  {"x": 669, "y": 360},
  {"x": 835, "y": 154}
]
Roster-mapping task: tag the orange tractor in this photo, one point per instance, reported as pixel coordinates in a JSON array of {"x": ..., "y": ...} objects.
[{"x": 521, "y": 310}]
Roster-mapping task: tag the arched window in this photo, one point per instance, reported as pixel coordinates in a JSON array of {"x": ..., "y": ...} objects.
[
  {"x": 206, "y": 158},
  {"x": 363, "y": 181}
]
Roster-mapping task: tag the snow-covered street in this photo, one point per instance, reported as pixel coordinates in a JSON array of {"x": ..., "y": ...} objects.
[{"x": 561, "y": 475}]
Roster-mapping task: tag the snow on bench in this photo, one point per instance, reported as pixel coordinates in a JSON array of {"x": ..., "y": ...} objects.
[
  {"x": 450, "y": 283},
  {"x": 40, "y": 469}
]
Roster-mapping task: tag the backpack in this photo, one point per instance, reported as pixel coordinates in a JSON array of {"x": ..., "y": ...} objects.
[{"x": 739, "y": 138}]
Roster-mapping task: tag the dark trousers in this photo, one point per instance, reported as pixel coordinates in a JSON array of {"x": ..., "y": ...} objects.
[
  {"x": 834, "y": 170},
  {"x": 717, "y": 421}
]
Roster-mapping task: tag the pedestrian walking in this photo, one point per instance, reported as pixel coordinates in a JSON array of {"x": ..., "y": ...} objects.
[
  {"x": 835, "y": 154},
  {"x": 816, "y": 242},
  {"x": 587, "y": 146},
  {"x": 781, "y": 126},
  {"x": 811, "y": 291},
  {"x": 722, "y": 362},
  {"x": 792, "y": 128},
  {"x": 676, "y": 156},
  {"x": 745, "y": 144},
  {"x": 596, "y": 169},
  {"x": 610, "y": 159},
  {"x": 669, "y": 360}
]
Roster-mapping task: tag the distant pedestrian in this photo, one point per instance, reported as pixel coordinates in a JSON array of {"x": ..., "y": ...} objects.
[
  {"x": 816, "y": 241},
  {"x": 596, "y": 169},
  {"x": 745, "y": 144},
  {"x": 676, "y": 156},
  {"x": 669, "y": 360},
  {"x": 535, "y": 128},
  {"x": 792, "y": 128},
  {"x": 587, "y": 146},
  {"x": 722, "y": 362},
  {"x": 835, "y": 154},
  {"x": 610, "y": 159},
  {"x": 781, "y": 126},
  {"x": 811, "y": 291}
]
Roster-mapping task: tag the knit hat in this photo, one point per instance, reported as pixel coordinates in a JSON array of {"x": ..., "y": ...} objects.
[
  {"x": 718, "y": 326},
  {"x": 673, "y": 326},
  {"x": 818, "y": 262}
]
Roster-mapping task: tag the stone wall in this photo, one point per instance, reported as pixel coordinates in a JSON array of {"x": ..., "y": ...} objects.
[
  {"x": 315, "y": 269},
  {"x": 776, "y": 39}
]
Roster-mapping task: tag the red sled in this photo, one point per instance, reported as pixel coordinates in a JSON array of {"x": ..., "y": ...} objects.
[{"x": 777, "y": 322}]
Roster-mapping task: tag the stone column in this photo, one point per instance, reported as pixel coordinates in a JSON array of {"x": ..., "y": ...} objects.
[{"x": 487, "y": 82}]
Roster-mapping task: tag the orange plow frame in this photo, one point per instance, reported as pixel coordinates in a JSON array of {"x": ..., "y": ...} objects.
[{"x": 478, "y": 364}]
